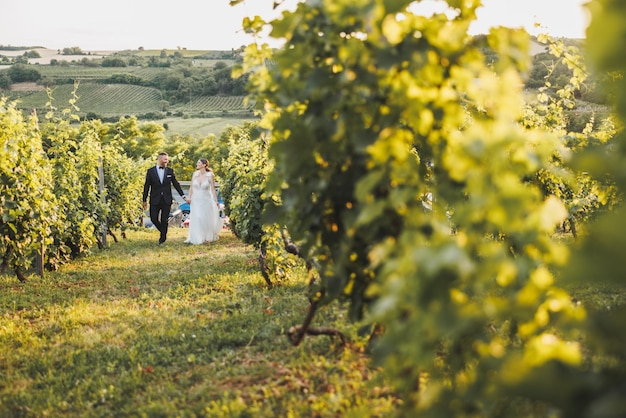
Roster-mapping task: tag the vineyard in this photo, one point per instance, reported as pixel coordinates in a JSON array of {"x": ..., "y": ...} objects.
[
  {"x": 410, "y": 186},
  {"x": 102, "y": 99},
  {"x": 108, "y": 100},
  {"x": 74, "y": 72},
  {"x": 216, "y": 104},
  {"x": 159, "y": 83}
]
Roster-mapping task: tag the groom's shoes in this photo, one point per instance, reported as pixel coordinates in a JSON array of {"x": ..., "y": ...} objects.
[{"x": 161, "y": 241}]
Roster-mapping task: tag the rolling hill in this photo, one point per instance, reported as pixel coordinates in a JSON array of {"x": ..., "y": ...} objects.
[{"x": 110, "y": 92}]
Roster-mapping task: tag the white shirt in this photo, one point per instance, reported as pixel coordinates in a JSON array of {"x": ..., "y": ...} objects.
[{"x": 161, "y": 173}]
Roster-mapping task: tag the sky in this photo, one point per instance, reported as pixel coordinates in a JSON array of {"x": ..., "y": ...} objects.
[{"x": 215, "y": 25}]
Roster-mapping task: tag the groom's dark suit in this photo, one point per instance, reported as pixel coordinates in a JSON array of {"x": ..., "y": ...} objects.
[{"x": 160, "y": 197}]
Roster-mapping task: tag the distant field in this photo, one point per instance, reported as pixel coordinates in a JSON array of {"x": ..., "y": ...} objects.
[
  {"x": 211, "y": 62},
  {"x": 101, "y": 99},
  {"x": 186, "y": 53},
  {"x": 106, "y": 100},
  {"x": 49, "y": 54},
  {"x": 199, "y": 116},
  {"x": 212, "y": 104},
  {"x": 201, "y": 126},
  {"x": 77, "y": 72}
]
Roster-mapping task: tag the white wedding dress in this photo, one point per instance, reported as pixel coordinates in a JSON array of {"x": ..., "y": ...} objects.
[{"x": 205, "y": 223}]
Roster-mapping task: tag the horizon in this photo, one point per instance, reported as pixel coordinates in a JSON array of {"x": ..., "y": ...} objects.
[
  {"x": 217, "y": 26},
  {"x": 21, "y": 48}
]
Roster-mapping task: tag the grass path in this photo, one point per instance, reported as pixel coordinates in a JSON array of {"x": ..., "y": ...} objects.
[{"x": 173, "y": 330}]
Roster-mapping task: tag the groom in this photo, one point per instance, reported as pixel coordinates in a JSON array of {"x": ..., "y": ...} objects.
[{"x": 159, "y": 181}]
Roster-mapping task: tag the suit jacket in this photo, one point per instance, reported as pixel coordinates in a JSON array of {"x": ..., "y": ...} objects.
[{"x": 160, "y": 191}]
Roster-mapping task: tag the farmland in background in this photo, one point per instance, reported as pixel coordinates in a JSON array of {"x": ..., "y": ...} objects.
[
  {"x": 185, "y": 53},
  {"x": 101, "y": 99},
  {"x": 47, "y": 54},
  {"x": 109, "y": 100},
  {"x": 213, "y": 104},
  {"x": 55, "y": 72},
  {"x": 64, "y": 72},
  {"x": 201, "y": 126},
  {"x": 196, "y": 114}
]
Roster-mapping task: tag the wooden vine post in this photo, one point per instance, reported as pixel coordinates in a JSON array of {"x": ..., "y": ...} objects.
[
  {"x": 103, "y": 197},
  {"x": 39, "y": 258}
]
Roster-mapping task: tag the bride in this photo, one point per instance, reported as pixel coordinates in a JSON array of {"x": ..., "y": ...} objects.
[{"x": 204, "y": 217}]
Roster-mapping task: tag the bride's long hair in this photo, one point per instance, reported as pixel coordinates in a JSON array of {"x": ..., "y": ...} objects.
[{"x": 206, "y": 163}]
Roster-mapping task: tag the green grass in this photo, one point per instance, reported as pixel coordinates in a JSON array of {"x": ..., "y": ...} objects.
[
  {"x": 174, "y": 330},
  {"x": 201, "y": 126},
  {"x": 77, "y": 72},
  {"x": 215, "y": 104}
]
